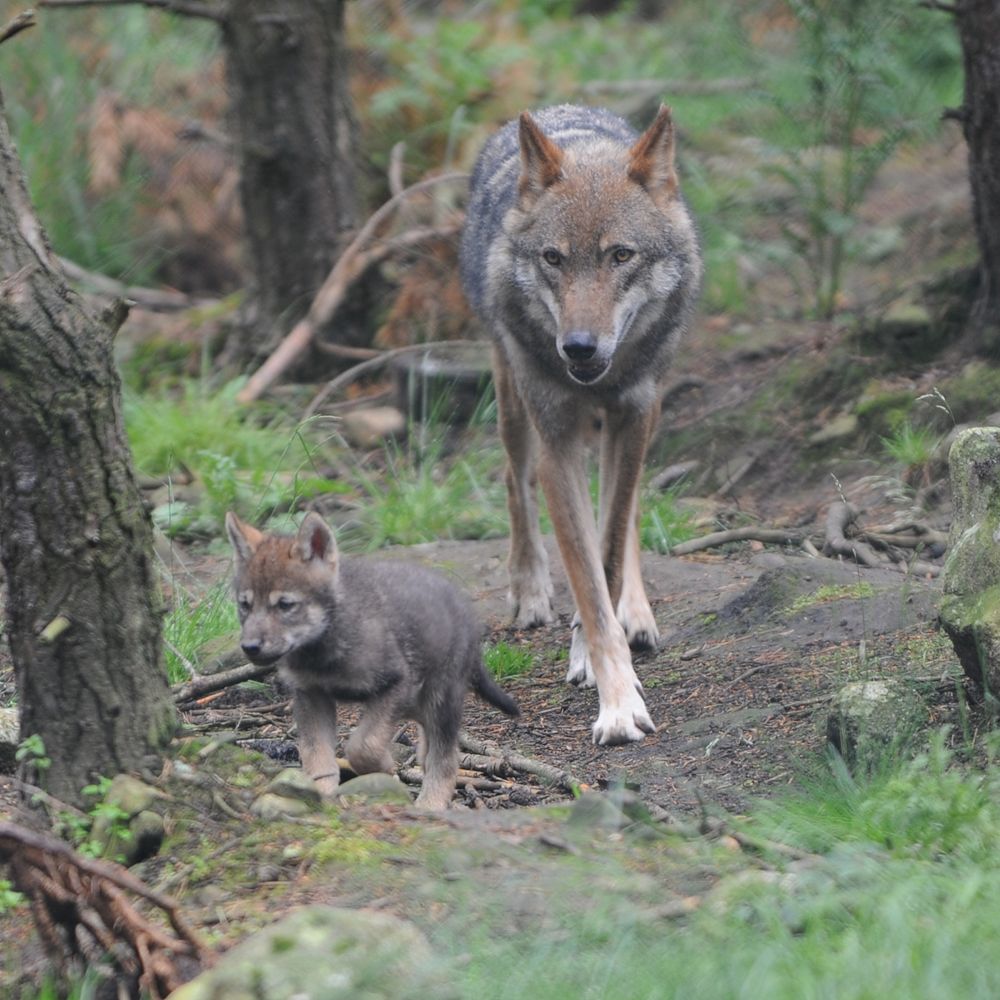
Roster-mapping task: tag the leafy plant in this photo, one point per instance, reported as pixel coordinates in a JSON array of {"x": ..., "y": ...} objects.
[
  {"x": 10, "y": 899},
  {"x": 31, "y": 750},
  {"x": 911, "y": 445}
]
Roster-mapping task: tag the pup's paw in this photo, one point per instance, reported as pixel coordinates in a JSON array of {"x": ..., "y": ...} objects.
[
  {"x": 626, "y": 723},
  {"x": 581, "y": 671}
]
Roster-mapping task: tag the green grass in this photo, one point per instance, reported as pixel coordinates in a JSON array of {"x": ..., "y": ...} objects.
[
  {"x": 503, "y": 660},
  {"x": 897, "y": 897},
  {"x": 196, "y": 628},
  {"x": 912, "y": 446},
  {"x": 662, "y": 522}
]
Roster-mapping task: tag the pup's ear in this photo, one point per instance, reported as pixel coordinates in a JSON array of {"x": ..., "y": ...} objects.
[
  {"x": 541, "y": 159},
  {"x": 651, "y": 159},
  {"x": 315, "y": 540},
  {"x": 244, "y": 537}
]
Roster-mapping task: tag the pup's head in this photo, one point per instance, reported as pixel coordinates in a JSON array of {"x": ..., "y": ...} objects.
[
  {"x": 284, "y": 586},
  {"x": 600, "y": 236}
]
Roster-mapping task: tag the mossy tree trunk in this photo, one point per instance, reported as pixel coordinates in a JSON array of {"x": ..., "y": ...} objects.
[
  {"x": 979, "y": 31},
  {"x": 82, "y": 606},
  {"x": 293, "y": 126}
]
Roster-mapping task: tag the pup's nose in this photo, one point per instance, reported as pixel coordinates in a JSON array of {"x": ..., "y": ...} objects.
[
  {"x": 251, "y": 648},
  {"x": 579, "y": 345}
]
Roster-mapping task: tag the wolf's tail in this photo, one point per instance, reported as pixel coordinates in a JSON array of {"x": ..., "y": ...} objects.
[{"x": 488, "y": 689}]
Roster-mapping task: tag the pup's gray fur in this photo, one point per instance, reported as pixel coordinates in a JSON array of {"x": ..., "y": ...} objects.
[{"x": 398, "y": 638}]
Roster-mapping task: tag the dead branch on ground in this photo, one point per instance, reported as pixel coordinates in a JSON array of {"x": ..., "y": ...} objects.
[
  {"x": 547, "y": 772},
  {"x": 153, "y": 299},
  {"x": 20, "y": 22},
  {"x": 350, "y": 265},
  {"x": 198, "y": 686},
  {"x": 778, "y": 536},
  {"x": 83, "y": 909}
]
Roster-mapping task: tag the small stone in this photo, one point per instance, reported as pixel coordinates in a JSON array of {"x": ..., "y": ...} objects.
[
  {"x": 294, "y": 783},
  {"x": 375, "y": 787},
  {"x": 131, "y": 795},
  {"x": 270, "y": 806},
  {"x": 867, "y": 717}
]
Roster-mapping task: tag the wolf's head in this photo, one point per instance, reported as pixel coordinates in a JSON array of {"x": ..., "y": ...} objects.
[
  {"x": 602, "y": 244},
  {"x": 285, "y": 586}
]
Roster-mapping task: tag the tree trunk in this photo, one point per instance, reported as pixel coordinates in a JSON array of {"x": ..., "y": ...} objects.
[
  {"x": 979, "y": 32},
  {"x": 295, "y": 134},
  {"x": 82, "y": 605}
]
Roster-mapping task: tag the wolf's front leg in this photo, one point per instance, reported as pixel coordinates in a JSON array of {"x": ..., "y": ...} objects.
[
  {"x": 623, "y": 717},
  {"x": 530, "y": 584},
  {"x": 368, "y": 748},
  {"x": 315, "y": 714}
]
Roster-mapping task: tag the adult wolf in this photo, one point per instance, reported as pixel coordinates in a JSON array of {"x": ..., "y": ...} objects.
[{"x": 581, "y": 256}]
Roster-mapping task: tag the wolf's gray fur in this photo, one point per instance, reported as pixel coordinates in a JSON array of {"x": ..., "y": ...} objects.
[
  {"x": 580, "y": 255},
  {"x": 398, "y": 638}
]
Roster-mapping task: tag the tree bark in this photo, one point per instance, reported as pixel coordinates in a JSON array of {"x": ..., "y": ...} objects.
[
  {"x": 82, "y": 603},
  {"x": 295, "y": 132},
  {"x": 979, "y": 32}
]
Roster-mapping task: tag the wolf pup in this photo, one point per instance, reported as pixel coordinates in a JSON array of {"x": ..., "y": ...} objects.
[
  {"x": 580, "y": 255},
  {"x": 398, "y": 638}
]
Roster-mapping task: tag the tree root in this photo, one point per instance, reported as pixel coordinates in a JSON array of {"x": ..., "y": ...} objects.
[{"x": 83, "y": 910}]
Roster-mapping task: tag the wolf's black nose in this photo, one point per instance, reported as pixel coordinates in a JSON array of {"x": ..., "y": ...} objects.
[
  {"x": 251, "y": 648},
  {"x": 580, "y": 345}
]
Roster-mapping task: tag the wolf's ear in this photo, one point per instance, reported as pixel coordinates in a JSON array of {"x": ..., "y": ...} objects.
[
  {"x": 315, "y": 539},
  {"x": 244, "y": 537},
  {"x": 541, "y": 159},
  {"x": 651, "y": 159}
]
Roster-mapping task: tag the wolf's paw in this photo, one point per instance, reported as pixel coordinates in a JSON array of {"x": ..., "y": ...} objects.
[
  {"x": 637, "y": 619},
  {"x": 581, "y": 672},
  {"x": 328, "y": 785},
  {"x": 532, "y": 604},
  {"x": 626, "y": 723}
]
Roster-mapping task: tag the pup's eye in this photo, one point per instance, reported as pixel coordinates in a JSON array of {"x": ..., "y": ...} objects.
[
  {"x": 244, "y": 604},
  {"x": 286, "y": 603},
  {"x": 622, "y": 254},
  {"x": 552, "y": 257}
]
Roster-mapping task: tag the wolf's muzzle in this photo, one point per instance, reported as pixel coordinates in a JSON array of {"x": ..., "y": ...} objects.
[{"x": 579, "y": 350}]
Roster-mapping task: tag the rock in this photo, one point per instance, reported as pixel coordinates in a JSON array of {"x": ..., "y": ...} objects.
[
  {"x": 841, "y": 428},
  {"x": 294, "y": 783},
  {"x": 323, "y": 951},
  {"x": 130, "y": 794},
  {"x": 369, "y": 427},
  {"x": 970, "y": 609},
  {"x": 375, "y": 787},
  {"x": 128, "y": 829},
  {"x": 270, "y": 806},
  {"x": 10, "y": 737},
  {"x": 868, "y": 717},
  {"x": 907, "y": 330}
]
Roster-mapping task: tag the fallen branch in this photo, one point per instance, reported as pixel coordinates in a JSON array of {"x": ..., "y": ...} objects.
[
  {"x": 198, "y": 686},
  {"x": 349, "y": 266},
  {"x": 20, "y": 22},
  {"x": 547, "y": 772},
  {"x": 778, "y": 536},
  {"x": 838, "y": 518},
  {"x": 82, "y": 909}
]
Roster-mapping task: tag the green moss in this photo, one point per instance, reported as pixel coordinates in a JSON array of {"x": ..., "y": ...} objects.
[{"x": 973, "y": 394}]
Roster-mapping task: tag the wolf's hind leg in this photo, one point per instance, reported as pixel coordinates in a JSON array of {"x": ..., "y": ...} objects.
[
  {"x": 315, "y": 714},
  {"x": 438, "y": 752},
  {"x": 530, "y": 584},
  {"x": 634, "y": 611}
]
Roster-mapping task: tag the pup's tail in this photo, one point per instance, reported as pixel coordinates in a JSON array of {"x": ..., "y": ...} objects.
[{"x": 488, "y": 689}]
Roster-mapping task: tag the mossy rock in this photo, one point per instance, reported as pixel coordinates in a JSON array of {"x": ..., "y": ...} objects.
[
  {"x": 325, "y": 952},
  {"x": 868, "y": 719},
  {"x": 973, "y": 625}
]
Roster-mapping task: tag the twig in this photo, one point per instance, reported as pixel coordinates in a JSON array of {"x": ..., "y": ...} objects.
[
  {"x": 154, "y": 299},
  {"x": 373, "y": 364},
  {"x": 20, "y": 22},
  {"x": 216, "y": 682},
  {"x": 774, "y": 535},
  {"x": 217, "y": 14},
  {"x": 332, "y": 291},
  {"x": 39, "y": 794},
  {"x": 553, "y": 775}
]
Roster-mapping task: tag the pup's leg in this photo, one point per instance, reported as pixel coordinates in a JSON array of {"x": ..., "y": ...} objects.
[
  {"x": 530, "y": 585},
  {"x": 368, "y": 747},
  {"x": 623, "y": 716},
  {"x": 438, "y": 750},
  {"x": 315, "y": 714}
]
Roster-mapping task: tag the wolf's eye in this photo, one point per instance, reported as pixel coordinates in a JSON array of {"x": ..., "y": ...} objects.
[
  {"x": 244, "y": 604},
  {"x": 622, "y": 254},
  {"x": 286, "y": 603},
  {"x": 552, "y": 257}
]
